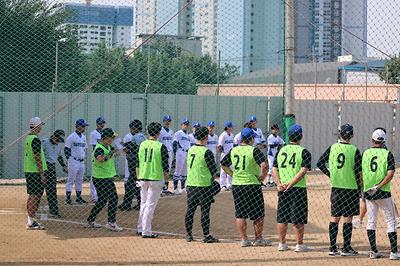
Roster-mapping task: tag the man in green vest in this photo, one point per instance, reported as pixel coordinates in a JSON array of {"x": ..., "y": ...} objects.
[
  {"x": 290, "y": 167},
  {"x": 201, "y": 171},
  {"x": 249, "y": 169},
  {"x": 34, "y": 169},
  {"x": 378, "y": 168},
  {"x": 103, "y": 175},
  {"x": 152, "y": 166},
  {"x": 344, "y": 160}
]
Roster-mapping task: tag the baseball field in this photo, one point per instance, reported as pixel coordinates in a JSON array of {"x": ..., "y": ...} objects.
[{"x": 66, "y": 241}]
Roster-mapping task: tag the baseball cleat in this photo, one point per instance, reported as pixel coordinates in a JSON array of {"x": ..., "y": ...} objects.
[
  {"x": 375, "y": 255},
  {"x": 35, "y": 226},
  {"x": 333, "y": 251},
  {"x": 68, "y": 201},
  {"x": 114, "y": 227}
]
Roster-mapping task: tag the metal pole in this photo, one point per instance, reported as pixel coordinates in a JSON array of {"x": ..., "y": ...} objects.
[
  {"x": 387, "y": 83},
  {"x": 56, "y": 72},
  {"x": 218, "y": 72},
  {"x": 289, "y": 58},
  {"x": 146, "y": 91},
  {"x": 366, "y": 81}
]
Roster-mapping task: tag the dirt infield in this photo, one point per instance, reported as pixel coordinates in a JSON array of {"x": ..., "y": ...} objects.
[{"x": 66, "y": 242}]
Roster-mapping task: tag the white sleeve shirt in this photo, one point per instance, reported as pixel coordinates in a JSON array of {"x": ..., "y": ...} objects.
[{"x": 77, "y": 144}]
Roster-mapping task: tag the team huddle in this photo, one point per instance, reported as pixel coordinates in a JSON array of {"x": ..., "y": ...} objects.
[{"x": 245, "y": 169}]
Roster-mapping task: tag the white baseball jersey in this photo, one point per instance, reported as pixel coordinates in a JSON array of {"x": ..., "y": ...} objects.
[
  {"x": 259, "y": 137},
  {"x": 183, "y": 140},
  {"x": 192, "y": 139},
  {"x": 166, "y": 137},
  {"x": 137, "y": 138},
  {"x": 237, "y": 139},
  {"x": 95, "y": 137},
  {"x": 212, "y": 143},
  {"x": 77, "y": 144},
  {"x": 226, "y": 142},
  {"x": 273, "y": 143}
]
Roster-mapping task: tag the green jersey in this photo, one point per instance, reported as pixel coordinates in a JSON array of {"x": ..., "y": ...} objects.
[
  {"x": 342, "y": 166},
  {"x": 290, "y": 160},
  {"x": 198, "y": 173},
  {"x": 374, "y": 168},
  {"x": 30, "y": 165},
  {"x": 150, "y": 163},
  {"x": 104, "y": 169},
  {"x": 244, "y": 166}
]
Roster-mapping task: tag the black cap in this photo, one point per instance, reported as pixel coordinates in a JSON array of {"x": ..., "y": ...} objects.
[
  {"x": 201, "y": 133},
  {"x": 59, "y": 134},
  {"x": 275, "y": 126},
  {"x": 108, "y": 133},
  {"x": 346, "y": 131},
  {"x": 136, "y": 124},
  {"x": 154, "y": 128}
]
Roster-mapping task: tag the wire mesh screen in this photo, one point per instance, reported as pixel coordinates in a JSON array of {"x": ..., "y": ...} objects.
[{"x": 199, "y": 131}]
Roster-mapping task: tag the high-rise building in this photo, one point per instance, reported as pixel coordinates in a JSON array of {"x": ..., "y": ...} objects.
[
  {"x": 197, "y": 19},
  {"x": 95, "y": 24},
  {"x": 340, "y": 28}
]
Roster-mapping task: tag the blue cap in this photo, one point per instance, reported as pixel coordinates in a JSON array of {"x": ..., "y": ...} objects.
[
  {"x": 247, "y": 133},
  {"x": 100, "y": 120},
  {"x": 252, "y": 118},
  {"x": 185, "y": 121},
  {"x": 295, "y": 130},
  {"x": 81, "y": 123},
  {"x": 167, "y": 118},
  {"x": 211, "y": 123},
  {"x": 228, "y": 124},
  {"x": 196, "y": 124}
]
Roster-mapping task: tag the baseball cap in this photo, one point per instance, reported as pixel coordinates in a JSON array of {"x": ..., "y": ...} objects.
[
  {"x": 379, "y": 135},
  {"x": 274, "y": 126},
  {"x": 59, "y": 134},
  {"x": 201, "y": 133},
  {"x": 228, "y": 124},
  {"x": 35, "y": 121},
  {"x": 295, "y": 132},
  {"x": 185, "y": 121},
  {"x": 196, "y": 125},
  {"x": 154, "y": 128},
  {"x": 211, "y": 123},
  {"x": 167, "y": 118},
  {"x": 81, "y": 123},
  {"x": 108, "y": 133},
  {"x": 252, "y": 118},
  {"x": 100, "y": 120},
  {"x": 346, "y": 131},
  {"x": 136, "y": 124},
  {"x": 247, "y": 133}
]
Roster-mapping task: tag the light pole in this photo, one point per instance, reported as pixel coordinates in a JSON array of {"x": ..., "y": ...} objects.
[{"x": 55, "y": 83}]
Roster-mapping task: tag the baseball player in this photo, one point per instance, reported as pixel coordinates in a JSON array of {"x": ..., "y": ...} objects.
[
  {"x": 344, "y": 160},
  {"x": 378, "y": 167},
  {"x": 52, "y": 148},
  {"x": 259, "y": 139},
  {"x": 212, "y": 141},
  {"x": 95, "y": 137},
  {"x": 75, "y": 152},
  {"x": 192, "y": 138},
  {"x": 131, "y": 143},
  {"x": 152, "y": 166},
  {"x": 34, "y": 169},
  {"x": 290, "y": 167},
  {"x": 166, "y": 138},
  {"x": 103, "y": 174},
  {"x": 225, "y": 144},
  {"x": 274, "y": 143},
  {"x": 249, "y": 169},
  {"x": 237, "y": 140},
  {"x": 181, "y": 145},
  {"x": 201, "y": 170}
]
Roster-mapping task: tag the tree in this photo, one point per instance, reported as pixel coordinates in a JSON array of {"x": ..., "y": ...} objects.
[
  {"x": 391, "y": 74},
  {"x": 30, "y": 30}
]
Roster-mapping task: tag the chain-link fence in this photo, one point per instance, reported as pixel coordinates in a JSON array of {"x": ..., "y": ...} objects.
[{"x": 275, "y": 119}]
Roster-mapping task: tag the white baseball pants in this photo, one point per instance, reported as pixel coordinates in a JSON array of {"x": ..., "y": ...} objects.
[
  {"x": 224, "y": 178},
  {"x": 270, "y": 165},
  {"x": 150, "y": 194},
  {"x": 387, "y": 207},
  {"x": 180, "y": 164},
  {"x": 127, "y": 174},
  {"x": 93, "y": 192},
  {"x": 76, "y": 170}
]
